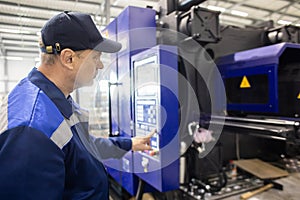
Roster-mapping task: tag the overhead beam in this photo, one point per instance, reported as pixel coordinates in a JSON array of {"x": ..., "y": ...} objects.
[
  {"x": 56, "y": 6},
  {"x": 20, "y": 43},
  {"x": 21, "y": 21},
  {"x": 21, "y": 49},
  {"x": 282, "y": 13},
  {"x": 13, "y": 28},
  {"x": 20, "y": 37},
  {"x": 263, "y": 9},
  {"x": 38, "y": 13}
]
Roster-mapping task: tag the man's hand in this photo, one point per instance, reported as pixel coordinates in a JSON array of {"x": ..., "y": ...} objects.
[{"x": 142, "y": 143}]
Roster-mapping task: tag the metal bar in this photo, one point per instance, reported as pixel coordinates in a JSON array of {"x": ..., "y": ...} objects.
[
  {"x": 268, "y": 136},
  {"x": 107, "y": 11},
  {"x": 284, "y": 12},
  {"x": 255, "y": 127},
  {"x": 264, "y": 121}
]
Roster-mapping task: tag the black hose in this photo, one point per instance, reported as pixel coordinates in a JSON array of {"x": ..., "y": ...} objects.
[{"x": 139, "y": 193}]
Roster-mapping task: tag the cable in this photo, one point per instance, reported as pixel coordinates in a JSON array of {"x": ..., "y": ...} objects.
[
  {"x": 221, "y": 174},
  {"x": 222, "y": 178},
  {"x": 221, "y": 182},
  {"x": 237, "y": 146},
  {"x": 139, "y": 193}
]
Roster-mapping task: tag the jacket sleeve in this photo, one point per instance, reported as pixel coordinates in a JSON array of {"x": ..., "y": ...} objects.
[
  {"x": 112, "y": 147},
  {"x": 32, "y": 166}
]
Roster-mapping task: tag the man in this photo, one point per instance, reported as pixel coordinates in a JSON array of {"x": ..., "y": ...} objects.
[{"x": 45, "y": 149}]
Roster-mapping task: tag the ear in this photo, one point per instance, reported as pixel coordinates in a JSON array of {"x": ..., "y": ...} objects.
[{"x": 67, "y": 57}]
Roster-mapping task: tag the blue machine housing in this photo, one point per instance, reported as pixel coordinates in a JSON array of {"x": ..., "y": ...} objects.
[
  {"x": 130, "y": 29},
  {"x": 259, "y": 80},
  {"x": 155, "y": 77}
]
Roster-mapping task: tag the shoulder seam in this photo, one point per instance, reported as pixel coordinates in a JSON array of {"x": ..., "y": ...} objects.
[{"x": 33, "y": 107}]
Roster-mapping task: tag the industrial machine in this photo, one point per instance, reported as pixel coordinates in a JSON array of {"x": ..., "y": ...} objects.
[
  {"x": 125, "y": 30},
  {"x": 248, "y": 91},
  {"x": 258, "y": 66},
  {"x": 263, "y": 80}
]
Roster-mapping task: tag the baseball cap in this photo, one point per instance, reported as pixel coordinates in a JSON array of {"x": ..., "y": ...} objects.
[{"x": 76, "y": 31}]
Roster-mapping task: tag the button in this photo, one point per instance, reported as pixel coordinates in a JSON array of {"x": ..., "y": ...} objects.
[
  {"x": 145, "y": 162},
  {"x": 153, "y": 143}
]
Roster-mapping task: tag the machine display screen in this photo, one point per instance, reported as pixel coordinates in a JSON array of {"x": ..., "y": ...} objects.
[{"x": 146, "y": 76}]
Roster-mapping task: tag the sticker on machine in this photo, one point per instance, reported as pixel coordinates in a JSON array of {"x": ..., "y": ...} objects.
[{"x": 245, "y": 83}]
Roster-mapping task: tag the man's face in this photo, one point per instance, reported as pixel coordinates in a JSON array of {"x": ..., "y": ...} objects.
[{"x": 87, "y": 67}]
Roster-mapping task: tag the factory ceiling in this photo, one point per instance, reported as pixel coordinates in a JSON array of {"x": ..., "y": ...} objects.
[{"x": 21, "y": 20}]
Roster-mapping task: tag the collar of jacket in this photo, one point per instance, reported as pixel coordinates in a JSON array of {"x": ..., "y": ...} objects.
[{"x": 53, "y": 92}]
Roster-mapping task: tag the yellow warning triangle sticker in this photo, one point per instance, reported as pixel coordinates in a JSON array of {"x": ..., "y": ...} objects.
[
  {"x": 245, "y": 83},
  {"x": 298, "y": 96}
]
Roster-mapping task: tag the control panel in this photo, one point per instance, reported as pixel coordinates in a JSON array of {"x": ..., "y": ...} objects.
[
  {"x": 146, "y": 121},
  {"x": 155, "y": 89},
  {"x": 147, "y": 100}
]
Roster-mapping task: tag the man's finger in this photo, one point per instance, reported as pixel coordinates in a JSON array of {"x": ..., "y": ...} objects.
[
  {"x": 146, "y": 147},
  {"x": 152, "y": 133}
]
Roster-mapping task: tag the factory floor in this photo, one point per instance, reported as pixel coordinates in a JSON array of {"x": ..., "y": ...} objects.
[{"x": 291, "y": 190}]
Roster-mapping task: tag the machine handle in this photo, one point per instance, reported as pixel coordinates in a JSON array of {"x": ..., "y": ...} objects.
[
  {"x": 247, "y": 195},
  {"x": 116, "y": 133}
]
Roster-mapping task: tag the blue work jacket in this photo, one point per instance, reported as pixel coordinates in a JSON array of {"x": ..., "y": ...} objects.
[{"x": 45, "y": 149}]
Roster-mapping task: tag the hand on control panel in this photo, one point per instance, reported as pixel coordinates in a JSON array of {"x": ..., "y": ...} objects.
[{"x": 142, "y": 143}]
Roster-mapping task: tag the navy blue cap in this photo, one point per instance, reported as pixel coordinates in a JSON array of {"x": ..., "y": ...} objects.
[{"x": 76, "y": 31}]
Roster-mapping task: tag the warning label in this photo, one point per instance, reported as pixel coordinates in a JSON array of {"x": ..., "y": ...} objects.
[{"x": 245, "y": 83}]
